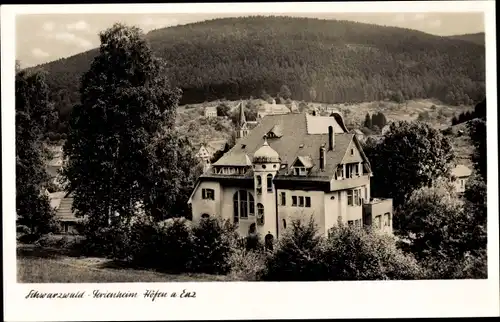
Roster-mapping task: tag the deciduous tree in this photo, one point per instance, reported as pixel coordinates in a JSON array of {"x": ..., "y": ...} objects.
[
  {"x": 120, "y": 145},
  {"x": 411, "y": 155}
]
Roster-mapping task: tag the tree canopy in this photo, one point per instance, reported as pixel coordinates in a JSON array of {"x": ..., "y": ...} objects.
[
  {"x": 121, "y": 145},
  {"x": 411, "y": 155}
]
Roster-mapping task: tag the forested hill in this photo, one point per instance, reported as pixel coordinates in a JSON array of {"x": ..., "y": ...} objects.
[
  {"x": 477, "y": 38},
  {"x": 319, "y": 60}
]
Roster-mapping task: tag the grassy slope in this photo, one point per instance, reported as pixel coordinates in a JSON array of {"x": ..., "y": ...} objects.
[{"x": 47, "y": 266}]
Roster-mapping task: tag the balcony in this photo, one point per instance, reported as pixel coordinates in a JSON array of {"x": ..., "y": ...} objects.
[
  {"x": 349, "y": 183},
  {"x": 375, "y": 212}
]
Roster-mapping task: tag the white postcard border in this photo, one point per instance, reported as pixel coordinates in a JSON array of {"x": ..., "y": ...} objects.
[{"x": 246, "y": 300}]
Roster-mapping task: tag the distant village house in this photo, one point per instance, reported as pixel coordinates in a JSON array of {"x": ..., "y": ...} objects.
[
  {"x": 210, "y": 111},
  {"x": 461, "y": 173}
]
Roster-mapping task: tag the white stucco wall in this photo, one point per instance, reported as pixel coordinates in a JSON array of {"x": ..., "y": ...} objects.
[{"x": 290, "y": 213}]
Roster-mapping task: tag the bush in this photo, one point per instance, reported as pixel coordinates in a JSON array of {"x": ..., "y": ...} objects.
[
  {"x": 348, "y": 253},
  {"x": 353, "y": 253},
  {"x": 175, "y": 245},
  {"x": 246, "y": 265},
  {"x": 298, "y": 255},
  {"x": 214, "y": 241}
]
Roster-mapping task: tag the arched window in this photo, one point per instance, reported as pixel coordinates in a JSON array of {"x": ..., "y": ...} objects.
[
  {"x": 259, "y": 181},
  {"x": 260, "y": 214},
  {"x": 284, "y": 223},
  {"x": 243, "y": 204},
  {"x": 269, "y": 183},
  {"x": 204, "y": 216}
]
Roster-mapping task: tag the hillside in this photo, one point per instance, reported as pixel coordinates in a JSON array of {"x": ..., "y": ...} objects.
[
  {"x": 477, "y": 38},
  {"x": 319, "y": 60}
]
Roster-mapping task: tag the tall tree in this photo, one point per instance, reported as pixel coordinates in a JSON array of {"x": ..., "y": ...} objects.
[
  {"x": 411, "y": 155},
  {"x": 126, "y": 105},
  {"x": 34, "y": 114}
]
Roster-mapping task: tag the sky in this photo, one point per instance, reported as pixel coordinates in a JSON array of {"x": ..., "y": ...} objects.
[{"x": 47, "y": 37}]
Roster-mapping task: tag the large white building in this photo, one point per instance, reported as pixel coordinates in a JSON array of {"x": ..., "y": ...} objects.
[{"x": 292, "y": 166}]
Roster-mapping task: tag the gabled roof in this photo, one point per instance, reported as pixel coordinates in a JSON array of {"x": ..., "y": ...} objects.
[
  {"x": 303, "y": 161},
  {"x": 296, "y": 141}
]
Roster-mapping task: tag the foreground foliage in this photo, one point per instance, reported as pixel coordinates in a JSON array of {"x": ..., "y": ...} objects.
[{"x": 348, "y": 253}]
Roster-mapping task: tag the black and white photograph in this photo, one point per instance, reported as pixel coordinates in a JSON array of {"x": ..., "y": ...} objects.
[{"x": 248, "y": 146}]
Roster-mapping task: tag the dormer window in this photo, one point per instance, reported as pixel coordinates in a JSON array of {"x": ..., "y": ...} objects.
[
  {"x": 302, "y": 165},
  {"x": 299, "y": 171}
]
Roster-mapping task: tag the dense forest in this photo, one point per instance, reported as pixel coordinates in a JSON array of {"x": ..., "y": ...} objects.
[
  {"x": 326, "y": 61},
  {"x": 477, "y": 38}
]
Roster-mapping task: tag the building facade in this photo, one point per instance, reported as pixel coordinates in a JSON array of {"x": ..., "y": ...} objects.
[
  {"x": 210, "y": 111},
  {"x": 461, "y": 174},
  {"x": 292, "y": 166}
]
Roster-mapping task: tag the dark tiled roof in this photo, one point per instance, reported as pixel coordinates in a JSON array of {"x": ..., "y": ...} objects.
[{"x": 295, "y": 135}]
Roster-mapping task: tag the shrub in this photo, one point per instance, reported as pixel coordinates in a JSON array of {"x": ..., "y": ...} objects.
[
  {"x": 353, "y": 253},
  {"x": 298, "y": 255},
  {"x": 175, "y": 245},
  {"x": 246, "y": 265},
  {"x": 214, "y": 241}
]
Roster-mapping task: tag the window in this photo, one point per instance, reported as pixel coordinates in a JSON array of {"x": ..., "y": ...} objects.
[
  {"x": 462, "y": 183},
  {"x": 204, "y": 216},
  {"x": 294, "y": 201},
  {"x": 348, "y": 172},
  {"x": 378, "y": 221},
  {"x": 301, "y": 201},
  {"x": 243, "y": 204},
  {"x": 357, "y": 222},
  {"x": 260, "y": 214},
  {"x": 283, "y": 198},
  {"x": 300, "y": 171},
  {"x": 269, "y": 183},
  {"x": 284, "y": 224},
  {"x": 352, "y": 151},
  {"x": 259, "y": 181},
  {"x": 350, "y": 201},
  {"x": 308, "y": 202},
  {"x": 354, "y": 197},
  {"x": 387, "y": 219},
  {"x": 351, "y": 170},
  {"x": 208, "y": 194},
  {"x": 350, "y": 222},
  {"x": 340, "y": 172},
  {"x": 356, "y": 170}
]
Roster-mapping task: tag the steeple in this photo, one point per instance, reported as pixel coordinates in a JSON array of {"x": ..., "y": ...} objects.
[
  {"x": 242, "y": 129},
  {"x": 242, "y": 115}
]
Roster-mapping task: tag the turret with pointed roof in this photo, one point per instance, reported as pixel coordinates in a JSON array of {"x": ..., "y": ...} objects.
[{"x": 242, "y": 130}]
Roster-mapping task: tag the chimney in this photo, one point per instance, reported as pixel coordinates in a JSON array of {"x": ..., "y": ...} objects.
[
  {"x": 330, "y": 138},
  {"x": 322, "y": 156}
]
